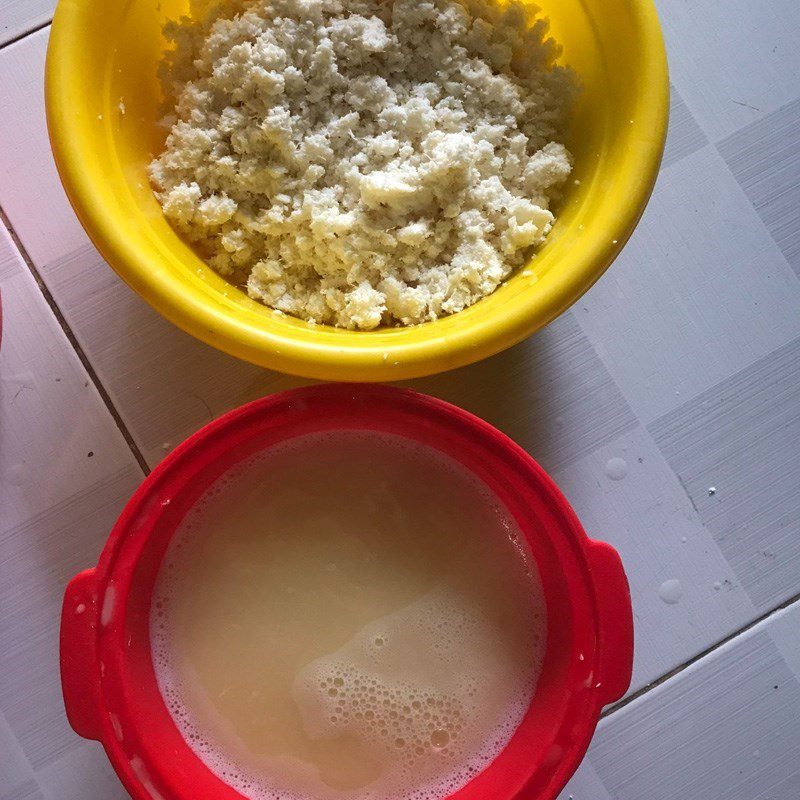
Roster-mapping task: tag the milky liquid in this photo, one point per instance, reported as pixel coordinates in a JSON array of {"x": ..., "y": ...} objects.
[{"x": 347, "y": 616}]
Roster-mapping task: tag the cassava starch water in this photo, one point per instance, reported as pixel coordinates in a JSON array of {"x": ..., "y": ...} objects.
[{"x": 349, "y": 615}]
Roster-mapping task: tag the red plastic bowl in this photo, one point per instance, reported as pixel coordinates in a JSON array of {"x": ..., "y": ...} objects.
[{"x": 109, "y": 685}]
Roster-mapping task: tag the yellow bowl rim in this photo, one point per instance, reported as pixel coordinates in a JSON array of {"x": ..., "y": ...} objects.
[{"x": 336, "y": 358}]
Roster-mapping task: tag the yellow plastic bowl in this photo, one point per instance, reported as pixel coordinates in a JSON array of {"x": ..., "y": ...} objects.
[{"x": 105, "y": 52}]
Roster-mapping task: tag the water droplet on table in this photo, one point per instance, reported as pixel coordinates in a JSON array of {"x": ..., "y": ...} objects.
[
  {"x": 616, "y": 468},
  {"x": 670, "y": 591}
]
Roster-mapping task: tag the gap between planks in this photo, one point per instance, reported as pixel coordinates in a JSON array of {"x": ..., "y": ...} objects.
[
  {"x": 29, "y": 32},
  {"x": 763, "y": 618},
  {"x": 72, "y": 339}
]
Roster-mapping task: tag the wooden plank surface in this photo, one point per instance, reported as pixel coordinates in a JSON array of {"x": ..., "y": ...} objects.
[{"x": 19, "y": 17}]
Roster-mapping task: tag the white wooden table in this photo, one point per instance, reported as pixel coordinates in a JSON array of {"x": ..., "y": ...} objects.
[{"x": 684, "y": 361}]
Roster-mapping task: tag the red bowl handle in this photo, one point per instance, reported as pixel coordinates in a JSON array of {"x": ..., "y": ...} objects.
[
  {"x": 616, "y": 621},
  {"x": 79, "y": 666}
]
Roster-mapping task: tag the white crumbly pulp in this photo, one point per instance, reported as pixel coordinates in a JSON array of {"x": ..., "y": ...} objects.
[{"x": 363, "y": 162}]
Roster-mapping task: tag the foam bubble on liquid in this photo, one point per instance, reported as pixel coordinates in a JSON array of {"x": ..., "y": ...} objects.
[{"x": 375, "y": 688}]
